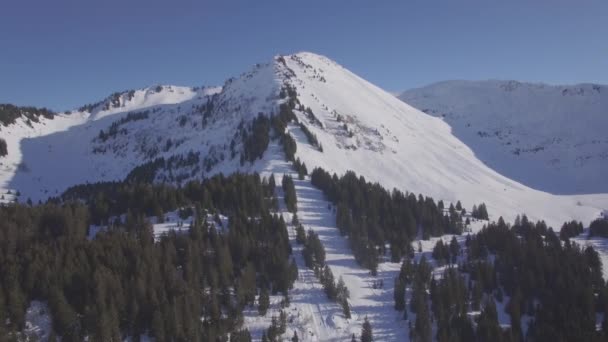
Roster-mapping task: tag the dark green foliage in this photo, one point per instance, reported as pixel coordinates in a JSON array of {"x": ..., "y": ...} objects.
[
  {"x": 289, "y": 146},
  {"x": 122, "y": 282},
  {"x": 300, "y": 169},
  {"x": 313, "y": 251},
  {"x": 277, "y": 327},
  {"x": 488, "y": 328},
  {"x": 480, "y": 212},
  {"x": 10, "y": 113},
  {"x": 239, "y": 193},
  {"x": 112, "y": 101},
  {"x": 255, "y": 142},
  {"x": 279, "y": 123},
  {"x": 441, "y": 252},
  {"x": 300, "y": 234},
  {"x": 312, "y": 138},
  {"x": 115, "y": 129},
  {"x": 399, "y": 294},
  {"x": 285, "y": 116},
  {"x": 3, "y": 148},
  {"x": 449, "y": 306},
  {"x": 599, "y": 227},
  {"x": 532, "y": 266},
  {"x": 570, "y": 229},
  {"x": 240, "y": 336},
  {"x": 314, "y": 258},
  {"x": 263, "y": 302},
  {"x": 454, "y": 249},
  {"x": 372, "y": 217},
  {"x": 367, "y": 334},
  {"x": 289, "y": 190},
  {"x": 147, "y": 172}
]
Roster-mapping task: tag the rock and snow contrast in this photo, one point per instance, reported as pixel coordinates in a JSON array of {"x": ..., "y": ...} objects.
[
  {"x": 358, "y": 127},
  {"x": 516, "y": 147}
]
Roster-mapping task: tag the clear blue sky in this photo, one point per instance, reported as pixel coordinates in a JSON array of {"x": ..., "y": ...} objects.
[{"x": 63, "y": 54}]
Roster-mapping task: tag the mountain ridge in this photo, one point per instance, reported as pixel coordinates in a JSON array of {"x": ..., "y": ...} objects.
[
  {"x": 552, "y": 133},
  {"x": 356, "y": 125}
]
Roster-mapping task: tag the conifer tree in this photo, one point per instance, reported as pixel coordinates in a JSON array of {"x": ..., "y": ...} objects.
[
  {"x": 366, "y": 331},
  {"x": 263, "y": 301},
  {"x": 399, "y": 294}
]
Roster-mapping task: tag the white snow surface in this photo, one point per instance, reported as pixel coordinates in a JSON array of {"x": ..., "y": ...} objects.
[
  {"x": 378, "y": 136},
  {"x": 38, "y": 322},
  {"x": 551, "y": 138}
]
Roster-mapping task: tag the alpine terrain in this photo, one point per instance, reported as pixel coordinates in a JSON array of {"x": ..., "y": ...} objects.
[
  {"x": 300, "y": 202},
  {"x": 551, "y": 138}
]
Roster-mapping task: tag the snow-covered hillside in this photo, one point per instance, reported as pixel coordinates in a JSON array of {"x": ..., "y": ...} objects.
[
  {"x": 551, "y": 138},
  {"x": 200, "y": 132}
]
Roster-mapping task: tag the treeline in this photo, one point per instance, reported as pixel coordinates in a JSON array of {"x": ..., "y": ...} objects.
[
  {"x": 258, "y": 136},
  {"x": 176, "y": 168},
  {"x": 373, "y": 217},
  {"x": 114, "y": 130},
  {"x": 112, "y": 101},
  {"x": 243, "y": 194},
  {"x": 557, "y": 286},
  {"x": 570, "y": 230},
  {"x": 599, "y": 227},
  {"x": 300, "y": 168},
  {"x": 255, "y": 141},
  {"x": 10, "y": 113},
  {"x": 186, "y": 287}
]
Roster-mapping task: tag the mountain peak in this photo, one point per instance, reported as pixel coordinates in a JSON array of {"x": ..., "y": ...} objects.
[{"x": 336, "y": 121}]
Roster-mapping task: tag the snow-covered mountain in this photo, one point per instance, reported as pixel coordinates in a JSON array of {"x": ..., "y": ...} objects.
[
  {"x": 552, "y": 138},
  {"x": 203, "y": 131}
]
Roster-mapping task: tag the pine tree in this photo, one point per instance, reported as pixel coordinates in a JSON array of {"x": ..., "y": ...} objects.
[
  {"x": 290, "y": 193},
  {"x": 282, "y": 322},
  {"x": 300, "y": 234},
  {"x": 399, "y": 294},
  {"x": 422, "y": 325},
  {"x": 3, "y": 148},
  {"x": 366, "y": 331},
  {"x": 263, "y": 302},
  {"x": 454, "y": 249}
]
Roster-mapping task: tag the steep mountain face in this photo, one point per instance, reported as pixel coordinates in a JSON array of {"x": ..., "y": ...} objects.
[
  {"x": 552, "y": 138},
  {"x": 339, "y": 122}
]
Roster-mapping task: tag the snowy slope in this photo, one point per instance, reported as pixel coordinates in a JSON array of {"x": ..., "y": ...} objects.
[
  {"x": 390, "y": 142},
  {"x": 359, "y": 126},
  {"x": 551, "y": 138},
  {"x": 47, "y": 157}
]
